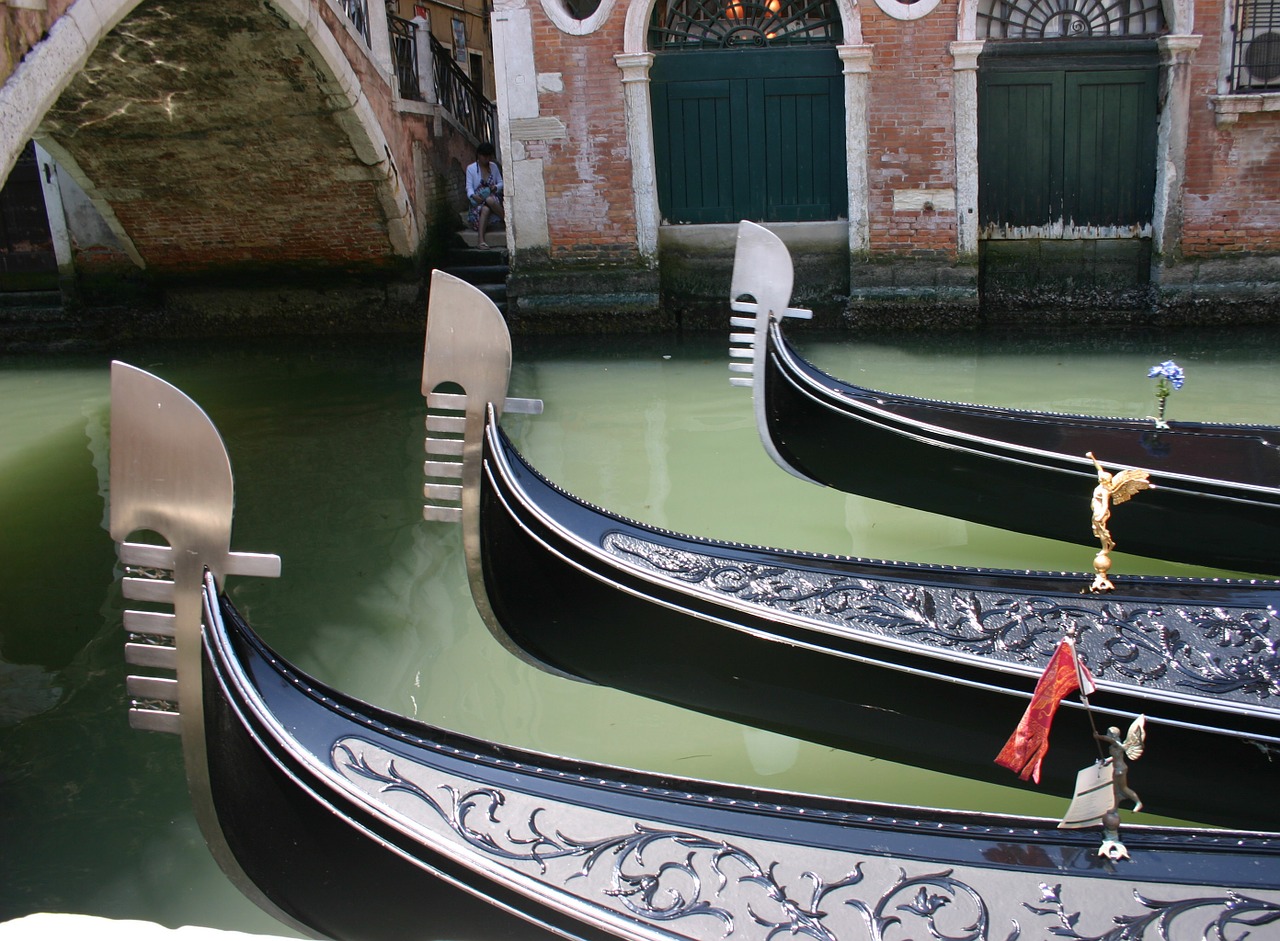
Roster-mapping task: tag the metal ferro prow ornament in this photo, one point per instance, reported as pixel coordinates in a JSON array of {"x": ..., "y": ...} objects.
[{"x": 1112, "y": 490}]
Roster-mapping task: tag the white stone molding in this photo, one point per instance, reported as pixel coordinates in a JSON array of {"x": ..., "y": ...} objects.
[
  {"x": 907, "y": 11},
  {"x": 426, "y": 61},
  {"x": 856, "y": 61},
  {"x": 1176, "y": 53},
  {"x": 964, "y": 97},
  {"x": 1228, "y": 108},
  {"x": 516, "y": 79},
  {"x": 644, "y": 177},
  {"x": 563, "y": 21}
]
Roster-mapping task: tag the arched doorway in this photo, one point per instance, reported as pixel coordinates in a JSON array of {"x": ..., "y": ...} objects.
[
  {"x": 1067, "y": 134},
  {"x": 27, "y": 260},
  {"x": 748, "y": 111}
]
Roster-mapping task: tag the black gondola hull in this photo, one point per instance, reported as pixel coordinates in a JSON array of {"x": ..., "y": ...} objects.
[
  {"x": 571, "y": 607},
  {"x": 1026, "y": 472},
  {"x": 305, "y": 782}
]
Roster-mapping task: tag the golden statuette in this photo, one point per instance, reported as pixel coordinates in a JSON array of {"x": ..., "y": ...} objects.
[{"x": 1112, "y": 489}]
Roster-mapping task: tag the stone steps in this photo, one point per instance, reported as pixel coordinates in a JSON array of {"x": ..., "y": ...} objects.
[{"x": 487, "y": 268}]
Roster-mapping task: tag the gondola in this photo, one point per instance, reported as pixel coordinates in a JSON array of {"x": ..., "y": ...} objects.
[
  {"x": 924, "y": 664},
  {"x": 343, "y": 820},
  {"x": 1216, "y": 494}
]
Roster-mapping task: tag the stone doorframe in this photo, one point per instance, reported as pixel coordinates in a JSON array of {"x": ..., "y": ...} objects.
[
  {"x": 635, "y": 61},
  {"x": 1176, "y": 51}
]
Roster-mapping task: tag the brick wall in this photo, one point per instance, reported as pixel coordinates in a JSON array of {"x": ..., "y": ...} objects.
[
  {"x": 1230, "y": 204},
  {"x": 911, "y": 126},
  {"x": 590, "y": 202}
]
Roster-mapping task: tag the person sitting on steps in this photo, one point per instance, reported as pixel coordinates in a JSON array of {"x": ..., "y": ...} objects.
[{"x": 484, "y": 191}]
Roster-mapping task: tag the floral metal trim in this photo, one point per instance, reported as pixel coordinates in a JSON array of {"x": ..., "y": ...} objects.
[
  {"x": 1228, "y": 652},
  {"x": 725, "y": 888}
]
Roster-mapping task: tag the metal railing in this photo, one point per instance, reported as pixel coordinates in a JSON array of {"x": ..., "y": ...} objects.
[
  {"x": 453, "y": 88},
  {"x": 459, "y": 96},
  {"x": 404, "y": 53}
]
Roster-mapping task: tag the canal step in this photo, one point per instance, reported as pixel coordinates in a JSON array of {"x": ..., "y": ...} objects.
[
  {"x": 37, "y": 320},
  {"x": 30, "y": 300},
  {"x": 487, "y": 268}
]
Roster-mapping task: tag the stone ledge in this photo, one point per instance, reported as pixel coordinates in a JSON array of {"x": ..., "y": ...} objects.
[{"x": 1228, "y": 108}]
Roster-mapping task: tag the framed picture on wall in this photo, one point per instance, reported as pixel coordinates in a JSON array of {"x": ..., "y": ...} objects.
[{"x": 459, "y": 41}]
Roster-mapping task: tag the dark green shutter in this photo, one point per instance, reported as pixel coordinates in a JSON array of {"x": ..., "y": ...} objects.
[
  {"x": 1110, "y": 156},
  {"x": 749, "y": 134},
  {"x": 1070, "y": 144}
]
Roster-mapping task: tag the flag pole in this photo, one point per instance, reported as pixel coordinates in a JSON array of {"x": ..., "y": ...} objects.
[{"x": 1084, "y": 697}]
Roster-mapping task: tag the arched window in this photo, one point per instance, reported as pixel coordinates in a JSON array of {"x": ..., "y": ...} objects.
[
  {"x": 1068, "y": 19},
  {"x": 728, "y": 24}
]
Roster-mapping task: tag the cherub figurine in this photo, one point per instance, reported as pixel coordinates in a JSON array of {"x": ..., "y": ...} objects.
[
  {"x": 1123, "y": 751},
  {"x": 1111, "y": 490}
]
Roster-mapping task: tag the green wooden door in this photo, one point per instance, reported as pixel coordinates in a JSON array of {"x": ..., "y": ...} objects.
[
  {"x": 1068, "y": 148},
  {"x": 1109, "y": 161},
  {"x": 1020, "y": 130},
  {"x": 749, "y": 134}
]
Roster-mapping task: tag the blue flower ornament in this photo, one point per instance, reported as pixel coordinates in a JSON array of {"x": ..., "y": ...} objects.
[{"x": 1169, "y": 377}]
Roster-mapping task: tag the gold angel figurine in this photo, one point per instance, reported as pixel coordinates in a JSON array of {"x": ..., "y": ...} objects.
[
  {"x": 1112, "y": 489},
  {"x": 1123, "y": 751}
]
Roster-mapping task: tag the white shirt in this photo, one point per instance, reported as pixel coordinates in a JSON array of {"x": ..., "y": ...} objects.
[{"x": 473, "y": 178}]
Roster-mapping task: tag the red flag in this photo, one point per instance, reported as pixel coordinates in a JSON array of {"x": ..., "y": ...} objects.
[{"x": 1029, "y": 742}]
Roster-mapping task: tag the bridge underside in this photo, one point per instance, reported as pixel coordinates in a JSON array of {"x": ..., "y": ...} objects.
[{"x": 216, "y": 143}]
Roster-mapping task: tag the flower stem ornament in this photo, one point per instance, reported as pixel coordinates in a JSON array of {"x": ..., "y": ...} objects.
[{"x": 1168, "y": 376}]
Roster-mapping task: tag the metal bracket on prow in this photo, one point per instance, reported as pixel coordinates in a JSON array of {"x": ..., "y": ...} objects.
[
  {"x": 761, "y": 269},
  {"x": 468, "y": 347},
  {"x": 170, "y": 475},
  {"x": 446, "y": 433},
  {"x": 153, "y": 700}
]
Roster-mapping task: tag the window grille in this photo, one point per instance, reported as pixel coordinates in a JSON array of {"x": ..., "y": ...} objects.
[
  {"x": 358, "y": 13},
  {"x": 730, "y": 24},
  {"x": 1255, "y": 46},
  {"x": 1068, "y": 19}
]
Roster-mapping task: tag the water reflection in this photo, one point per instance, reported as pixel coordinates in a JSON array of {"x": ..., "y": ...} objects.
[{"x": 326, "y": 444}]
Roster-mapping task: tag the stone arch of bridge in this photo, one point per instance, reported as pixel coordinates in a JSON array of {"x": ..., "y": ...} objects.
[{"x": 30, "y": 97}]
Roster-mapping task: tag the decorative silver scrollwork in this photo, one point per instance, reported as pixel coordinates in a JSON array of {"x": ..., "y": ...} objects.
[
  {"x": 1228, "y": 652},
  {"x": 1220, "y": 914},
  {"x": 716, "y": 885},
  {"x": 664, "y": 875}
]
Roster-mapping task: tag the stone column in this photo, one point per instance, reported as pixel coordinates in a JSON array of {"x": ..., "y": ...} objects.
[
  {"x": 426, "y": 61},
  {"x": 1176, "y": 53},
  {"x": 644, "y": 177},
  {"x": 518, "y": 108},
  {"x": 857, "y": 70},
  {"x": 380, "y": 37},
  {"x": 965, "y": 101}
]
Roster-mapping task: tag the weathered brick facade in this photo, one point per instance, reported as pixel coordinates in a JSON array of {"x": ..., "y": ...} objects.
[
  {"x": 575, "y": 99},
  {"x": 1232, "y": 197},
  {"x": 910, "y": 117}
]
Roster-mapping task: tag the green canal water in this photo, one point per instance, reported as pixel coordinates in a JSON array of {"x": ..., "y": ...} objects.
[{"x": 326, "y": 444}]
